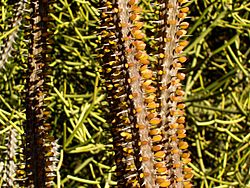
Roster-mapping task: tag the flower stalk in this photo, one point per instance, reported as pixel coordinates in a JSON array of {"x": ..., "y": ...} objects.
[
  {"x": 145, "y": 96},
  {"x": 41, "y": 148}
]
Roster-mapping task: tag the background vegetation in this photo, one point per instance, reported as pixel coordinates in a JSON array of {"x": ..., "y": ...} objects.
[{"x": 217, "y": 93}]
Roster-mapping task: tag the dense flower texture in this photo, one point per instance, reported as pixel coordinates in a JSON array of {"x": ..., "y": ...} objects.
[
  {"x": 41, "y": 148},
  {"x": 145, "y": 93},
  {"x": 36, "y": 167}
]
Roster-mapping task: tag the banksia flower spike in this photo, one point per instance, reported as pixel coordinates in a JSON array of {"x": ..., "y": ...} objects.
[
  {"x": 40, "y": 148},
  {"x": 146, "y": 97},
  {"x": 171, "y": 28},
  {"x": 10, "y": 167},
  {"x": 38, "y": 155}
]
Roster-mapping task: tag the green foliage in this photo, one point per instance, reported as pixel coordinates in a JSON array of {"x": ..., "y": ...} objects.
[{"x": 218, "y": 93}]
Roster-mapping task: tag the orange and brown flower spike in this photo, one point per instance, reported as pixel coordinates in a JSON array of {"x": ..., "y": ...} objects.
[
  {"x": 171, "y": 28},
  {"x": 141, "y": 75},
  {"x": 115, "y": 72},
  {"x": 41, "y": 148},
  {"x": 146, "y": 107},
  {"x": 127, "y": 75}
]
